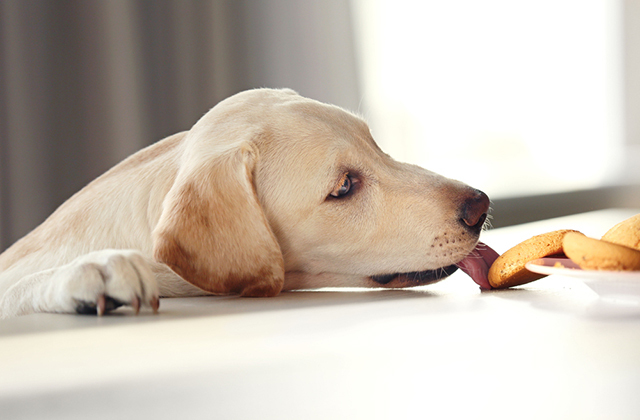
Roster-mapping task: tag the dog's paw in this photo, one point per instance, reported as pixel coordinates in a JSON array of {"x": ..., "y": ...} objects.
[{"x": 102, "y": 281}]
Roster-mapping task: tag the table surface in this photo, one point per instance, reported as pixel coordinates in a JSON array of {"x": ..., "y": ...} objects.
[{"x": 550, "y": 349}]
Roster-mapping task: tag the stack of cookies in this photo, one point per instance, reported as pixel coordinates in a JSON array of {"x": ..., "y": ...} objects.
[{"x": 618, "y": 250}]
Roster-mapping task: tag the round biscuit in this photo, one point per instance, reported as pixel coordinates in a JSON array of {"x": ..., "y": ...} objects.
[
  {"x": 596, "y": 254},
  {"x": 625, "y": 233},
  {"x": 509, "y": 270}
]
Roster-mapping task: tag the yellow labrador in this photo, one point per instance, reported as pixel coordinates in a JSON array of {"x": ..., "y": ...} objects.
[{"x": 268, "y": 191}]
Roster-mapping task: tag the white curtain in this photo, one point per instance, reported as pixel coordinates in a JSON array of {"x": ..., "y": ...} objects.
[{"x": 84, "y": 83}]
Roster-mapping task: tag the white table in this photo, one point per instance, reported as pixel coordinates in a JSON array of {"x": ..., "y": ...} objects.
[{"x": 548, "y": 350}]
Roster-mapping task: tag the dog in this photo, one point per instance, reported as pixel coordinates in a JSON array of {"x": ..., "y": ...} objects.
[{"x": 268, "y": 191}]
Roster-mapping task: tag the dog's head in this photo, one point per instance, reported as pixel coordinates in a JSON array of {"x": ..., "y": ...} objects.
[{"x": 271, "y": 182}]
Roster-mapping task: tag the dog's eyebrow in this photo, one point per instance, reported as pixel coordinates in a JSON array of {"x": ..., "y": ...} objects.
[{"x": 357, "y": 171}]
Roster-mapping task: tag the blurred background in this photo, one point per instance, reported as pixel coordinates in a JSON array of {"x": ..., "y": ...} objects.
[{"x": 535, "y": 102}]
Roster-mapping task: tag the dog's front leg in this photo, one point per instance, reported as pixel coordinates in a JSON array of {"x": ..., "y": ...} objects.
[{"x": 96, "y": 283}]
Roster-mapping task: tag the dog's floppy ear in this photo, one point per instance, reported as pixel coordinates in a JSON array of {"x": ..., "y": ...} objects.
[{"x": 212, "y": 230}]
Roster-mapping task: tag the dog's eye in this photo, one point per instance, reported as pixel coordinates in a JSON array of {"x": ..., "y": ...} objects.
[{"x": 344, "y": 188}]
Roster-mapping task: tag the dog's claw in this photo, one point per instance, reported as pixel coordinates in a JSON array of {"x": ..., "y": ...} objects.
[
  {"x": 155, "y": 304},
  {"x": 135, "y": 304},
  {"x": 101, "y": 305}
]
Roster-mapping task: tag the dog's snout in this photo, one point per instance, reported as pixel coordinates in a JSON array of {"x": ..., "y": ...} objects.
[{"x": 474, "y": 210}]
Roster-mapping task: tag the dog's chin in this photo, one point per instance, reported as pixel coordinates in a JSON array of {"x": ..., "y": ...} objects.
[{"x": 412, "y": 279}]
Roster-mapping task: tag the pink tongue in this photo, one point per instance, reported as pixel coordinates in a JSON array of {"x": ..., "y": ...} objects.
[{"x": 477, "y": 264}]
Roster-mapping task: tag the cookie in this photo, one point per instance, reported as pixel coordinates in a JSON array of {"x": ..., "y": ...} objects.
[
  {"x": 625, "y": 233},
  {"x": 596, "y": 254},
  {"x": 509, "y": 268}
]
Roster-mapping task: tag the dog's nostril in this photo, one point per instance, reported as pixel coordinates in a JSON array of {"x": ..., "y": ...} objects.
[
  {"x": 480, "y": 222},
  {"x": 474, "y": 210}
]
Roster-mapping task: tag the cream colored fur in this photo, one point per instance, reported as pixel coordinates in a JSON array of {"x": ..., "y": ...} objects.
[{"x": 240, "y": 204}]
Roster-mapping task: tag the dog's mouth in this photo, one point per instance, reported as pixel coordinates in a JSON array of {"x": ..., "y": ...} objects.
[
  {"x": 415, "y": 278},
  {"x": 476, "y": 265}
]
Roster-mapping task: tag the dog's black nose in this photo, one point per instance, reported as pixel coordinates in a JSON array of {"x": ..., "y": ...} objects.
[{"x": 474, "y": 210}]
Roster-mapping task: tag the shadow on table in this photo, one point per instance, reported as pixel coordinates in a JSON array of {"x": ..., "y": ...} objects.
[
  {"x": 579, "y": 302},
  {"x": 172, "y": 309}
]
